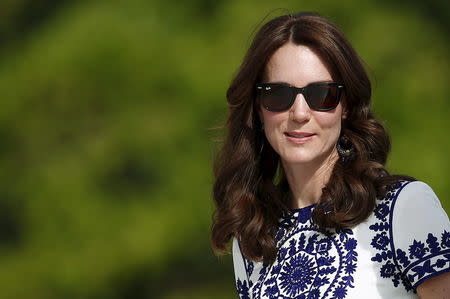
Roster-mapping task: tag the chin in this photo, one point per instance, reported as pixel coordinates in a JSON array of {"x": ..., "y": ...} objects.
[
  {"x": 305, "y": 157},
  {"x": 298, "y": 158}
]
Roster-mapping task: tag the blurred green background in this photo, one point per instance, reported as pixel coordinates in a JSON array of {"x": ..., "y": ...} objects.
[{"x": 107, "y": 140}]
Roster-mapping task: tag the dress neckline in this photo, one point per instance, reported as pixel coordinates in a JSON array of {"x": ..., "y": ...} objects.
[
  {"x": 309, "y": 207},
  {"x": 300, "y": 215}
]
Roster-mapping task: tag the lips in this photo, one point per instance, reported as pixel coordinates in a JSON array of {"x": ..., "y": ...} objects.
[
  {"x": 299, "y": 134},
  {"x": 298, "y": 138}
]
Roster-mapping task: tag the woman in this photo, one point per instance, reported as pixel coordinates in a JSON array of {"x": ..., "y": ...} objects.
[{"x": 301, "y": 186}]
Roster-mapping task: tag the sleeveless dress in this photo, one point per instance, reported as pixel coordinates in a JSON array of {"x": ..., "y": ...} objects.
[{"x": 404, "y": 242}]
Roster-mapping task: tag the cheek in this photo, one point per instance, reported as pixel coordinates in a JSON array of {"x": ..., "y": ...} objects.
[
  {"x": 272, "y": 120},
  {"x": 331, "y": 124},
  {"x": 273, "y": 125}
]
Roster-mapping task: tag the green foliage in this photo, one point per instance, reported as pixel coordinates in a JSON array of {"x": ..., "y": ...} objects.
[{"x": 106, "y": 139}]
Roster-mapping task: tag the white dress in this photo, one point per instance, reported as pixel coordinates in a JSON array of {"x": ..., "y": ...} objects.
[{"x": 404, "y": 242}]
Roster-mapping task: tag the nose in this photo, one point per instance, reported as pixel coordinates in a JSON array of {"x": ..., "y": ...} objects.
[{"x": 300, "y": 110}]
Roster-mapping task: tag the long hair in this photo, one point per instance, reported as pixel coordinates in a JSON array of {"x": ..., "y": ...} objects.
[{"x": 249, "y": 194}]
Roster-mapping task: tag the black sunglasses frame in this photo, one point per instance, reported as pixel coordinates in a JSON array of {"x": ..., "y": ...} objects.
[{"x": 294, "y": 91}]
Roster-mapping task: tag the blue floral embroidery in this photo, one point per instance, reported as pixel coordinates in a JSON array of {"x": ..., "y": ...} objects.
[
  {"x": 340, "y": 292},
  {"x": 297, "y": 274},
  {"x": 242, "y": 289},
  {"x": 417, "y": 250},
  {"x": 309, "y": 264},
  {"x": 426, "y": 260},
  {"x": 380, "y": 241},
  {"x": 421, "y": 261},
  {"x": 445, "y": 239},
  {"x": 249, "y": 267}
]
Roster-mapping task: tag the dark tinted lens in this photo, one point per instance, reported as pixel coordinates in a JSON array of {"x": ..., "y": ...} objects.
[
  {"x": 276, "y": 97},
  {"x": 322, "y": 97}
]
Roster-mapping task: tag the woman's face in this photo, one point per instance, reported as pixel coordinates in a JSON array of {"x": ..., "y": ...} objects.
[{"x": 300, "y": 135}]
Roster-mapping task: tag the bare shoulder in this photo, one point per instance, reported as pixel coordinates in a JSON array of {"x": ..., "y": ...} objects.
[{"x": 437, "y": 287}]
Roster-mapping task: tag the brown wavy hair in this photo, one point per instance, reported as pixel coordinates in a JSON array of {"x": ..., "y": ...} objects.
[{"x": 250, "y": 189}]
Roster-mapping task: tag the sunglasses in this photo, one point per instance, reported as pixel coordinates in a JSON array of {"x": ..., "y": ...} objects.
[{"x": 320, "y": 96}]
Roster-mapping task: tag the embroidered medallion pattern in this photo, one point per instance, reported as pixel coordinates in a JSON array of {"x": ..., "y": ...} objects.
[{"x": 309, "y": 264}]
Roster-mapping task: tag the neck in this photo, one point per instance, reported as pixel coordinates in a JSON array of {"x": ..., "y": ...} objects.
[{"x": 306, "y": 180}]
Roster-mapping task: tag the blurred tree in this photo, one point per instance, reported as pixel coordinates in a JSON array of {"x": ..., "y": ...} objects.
[
  {"x": 105, "y": 139},
  {"x": 20, "y": 17}
]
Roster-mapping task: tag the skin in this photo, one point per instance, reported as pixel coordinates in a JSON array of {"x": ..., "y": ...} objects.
[
  {"x": 437, "y": 287},
  {"x": 307, "y": 166}
]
